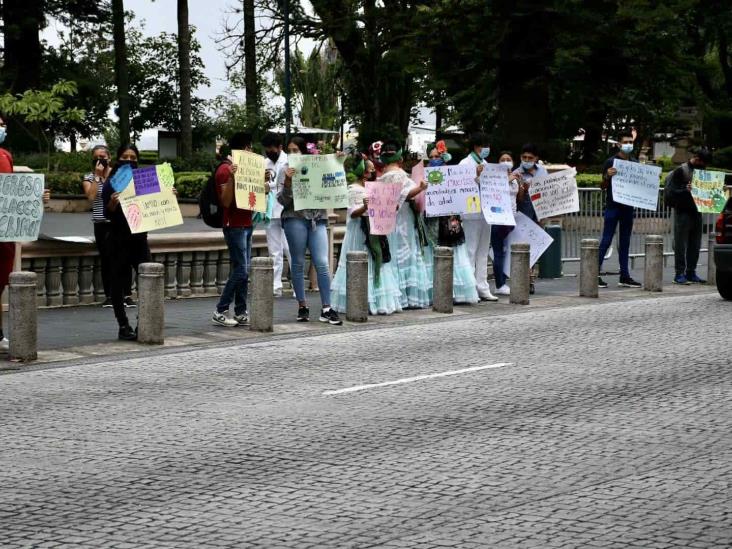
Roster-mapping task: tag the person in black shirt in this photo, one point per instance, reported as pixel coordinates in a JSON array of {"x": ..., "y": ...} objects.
[
  {"x": 687, "y": 219},
  {"x": 618, "y": 214}
]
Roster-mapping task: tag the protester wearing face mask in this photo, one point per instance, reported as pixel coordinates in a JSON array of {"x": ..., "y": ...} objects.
[
  {"x": 125, "y": 250},
  {"x": 687, "y": 219},
  {"x": 618, "y": 214},
  {"x": 499, "y": 233},
  {"x": 477, "y": 230}
]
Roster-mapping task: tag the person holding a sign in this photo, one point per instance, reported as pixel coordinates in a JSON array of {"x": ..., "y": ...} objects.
[
  {"x": 499, "y": 233},
  {"x": 276, "y": 241},
  {"x": 126, "y": 250},
  {"x": 383, "y": 283},
  {"x": 477, "y": 230},
  {"x": 687, "y": 219},
  {"x": 618, "y": 214},
  {"x": 409, "y": 239},
  {"x": 305, "y": 230}
]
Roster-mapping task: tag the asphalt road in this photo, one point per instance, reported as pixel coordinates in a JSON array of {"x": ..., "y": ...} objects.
[{"x": 595, "y": 425}]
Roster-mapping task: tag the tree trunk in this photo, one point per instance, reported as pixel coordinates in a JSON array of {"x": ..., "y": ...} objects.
[
  {"x": 72, "y": 141},
  {"x": 120, "y": 70},
  {"x": 184, "y": 76},
  {"x": 250, "y": 65}
]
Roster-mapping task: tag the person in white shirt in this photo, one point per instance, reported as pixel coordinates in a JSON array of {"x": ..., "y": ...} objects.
[
  {"x": 276, "y": 241},
  {"x": 477, "y": 230}
]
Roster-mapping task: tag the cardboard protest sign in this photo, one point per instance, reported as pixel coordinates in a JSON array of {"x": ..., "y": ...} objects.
[
  {"x": 382, "y": 209},
  {"x": 319, "y": 181},
  {"x": 707, "y": 190},
  {"x": 527, "y": 231},
  {"x": 249, "y": 189},
  {"x": 451, "y": 190},
  {"x": 149, "y": 203},
  {"x": 636, "y": 184},
  {"x": 495, "y": 195},
  {"x": 21, "y": 206},
  {"x": 555, "y": 194}
]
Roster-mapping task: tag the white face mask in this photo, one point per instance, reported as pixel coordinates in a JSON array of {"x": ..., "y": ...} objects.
[
  {"x": 627, "y": 148},
  {"x": 527, "y": 165},
  {"x": 508, "y": 164}
]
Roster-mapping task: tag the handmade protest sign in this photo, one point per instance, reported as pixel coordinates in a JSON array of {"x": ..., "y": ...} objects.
[
  {"x": 149, "y": 203},
  {"x": 417, "y": 176},
  {"x": 495, "y": 195},
  {"x": 21, "y": 206},
  {"x": 319, "y": 181},
  {"x": 528, "y": 232},
  {"x": 636, "y": 184},
  {"x": 555, "y": 193},
  {"x": 121, "y": 178},
  {"x": 249, "y": 190},
  {"x": 707, "y": 190},
  {"x": 451, "y": 190},
  {"x": 382, "y": 209}
]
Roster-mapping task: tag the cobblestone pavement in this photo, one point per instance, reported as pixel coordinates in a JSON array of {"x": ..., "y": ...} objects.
[{"x": 610, "y": 427}]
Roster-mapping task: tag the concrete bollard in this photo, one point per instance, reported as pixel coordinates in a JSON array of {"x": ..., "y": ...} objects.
[
  {"x": 653, "y": 273},
  {"x": 151, "y": 297},
  {"x": 589, "y": 267},
  {"x": 262, "y": 300},
  {"x": 711, "y": 266},
  {"x": 520, "y": 273},
  {"x": 357, "y": 286},
  {"x": 442, "y": 280},
  {"x": 23, "y": 316}
]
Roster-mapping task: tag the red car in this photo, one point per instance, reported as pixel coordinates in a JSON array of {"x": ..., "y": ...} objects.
[{"x": 723, "y": 252}]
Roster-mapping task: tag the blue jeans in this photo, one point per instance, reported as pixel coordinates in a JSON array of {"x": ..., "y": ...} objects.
[
  {"x": 624, "y": 216},
  {"x": 499, "y": 233},
  {"x": 239, "y": 242},
  {"x": 305, "y": 234}
]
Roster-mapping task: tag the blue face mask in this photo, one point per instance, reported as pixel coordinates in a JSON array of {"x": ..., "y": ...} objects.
[
  {"x": 3, "y": 134},
  {"x": 484, "y": 152},
  {"x": 627, "y": 148},
  {"x": 527, "y": 165}
]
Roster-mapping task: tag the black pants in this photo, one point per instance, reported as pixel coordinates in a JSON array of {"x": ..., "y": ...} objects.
[
  {"x": 687, "y": 241},
  {"x": 125, "y": 252},
  {"x": 101, "y": 232}
]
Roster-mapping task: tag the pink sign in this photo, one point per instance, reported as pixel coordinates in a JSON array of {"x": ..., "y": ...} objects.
[{"x": 383, "y": 203}]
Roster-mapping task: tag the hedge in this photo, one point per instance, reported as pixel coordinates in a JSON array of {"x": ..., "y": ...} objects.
[{"x": 188, "y": 184}]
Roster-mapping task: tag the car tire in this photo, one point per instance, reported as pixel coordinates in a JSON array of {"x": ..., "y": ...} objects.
[{"x": 724, "y": 285}]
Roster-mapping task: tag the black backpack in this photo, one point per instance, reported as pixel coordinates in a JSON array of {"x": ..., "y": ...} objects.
[
  {"x": 668, "y": 196},
  {"x": 209, "y": 206}
]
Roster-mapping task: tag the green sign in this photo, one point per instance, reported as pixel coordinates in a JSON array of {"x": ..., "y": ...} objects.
[
  {"x": 319, "y": 181},
  {"x": 707, "y": 189}
]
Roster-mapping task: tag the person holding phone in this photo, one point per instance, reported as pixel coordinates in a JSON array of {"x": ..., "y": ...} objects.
[{"x": 93, "y": 183}]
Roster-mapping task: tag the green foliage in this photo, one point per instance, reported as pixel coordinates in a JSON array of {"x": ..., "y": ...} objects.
[
  {"x": 59, "y": 161},
  {"x": 189, "y": 184},
  {"x": 65, "y": 183},
  {"x": 723, "y": 158},
  {"x": 665, "y": 162}
]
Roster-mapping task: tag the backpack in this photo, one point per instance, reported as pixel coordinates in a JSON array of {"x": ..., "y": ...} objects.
[
  {"x": 209, "y": 206},
  {"x": 668, "y": 195}
]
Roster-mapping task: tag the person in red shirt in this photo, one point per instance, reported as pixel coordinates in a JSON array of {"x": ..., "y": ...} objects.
[{"x": 238, "y": 235}]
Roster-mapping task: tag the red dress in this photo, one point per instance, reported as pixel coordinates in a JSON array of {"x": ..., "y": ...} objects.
[{"x": 7, "y": 249}]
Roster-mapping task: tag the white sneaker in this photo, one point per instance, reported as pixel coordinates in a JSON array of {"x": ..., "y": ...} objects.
[
  {"x": 222, "y": 320},
  {"x": 4, "y": 344},
  {"x": 277, "y": 292},
  {"x": 241, "y": 320},
  {"x": 503, "y": 290},
  {"x": 487, "y": 296}
]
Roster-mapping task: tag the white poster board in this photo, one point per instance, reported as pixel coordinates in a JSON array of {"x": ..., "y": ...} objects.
[
  {"x": 451, "y": 190},
  {"x": 495, "y": 195},
  {"x": 528, "y": 232},
  {"x": 636, "y": 184},
  {"x": 555, "y": 194}
]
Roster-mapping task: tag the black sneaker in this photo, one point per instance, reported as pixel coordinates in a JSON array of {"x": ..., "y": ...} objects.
[
  {"x": 331, "y": 317},
  {"x": 303, "y": 314},
  {"x": 107, "y": 304},
  {"x": 601, "y": 283},
  {"x": 126, "y": 333},
  {"x": 629, "y": 283},
  {"x": 130, "y": 303}
]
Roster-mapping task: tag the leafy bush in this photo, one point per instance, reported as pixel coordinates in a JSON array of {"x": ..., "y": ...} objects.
[
  {"x": 665, "y": 162},
  {"x": 589, "y": 179},
  {"x": 60, "y": 161},
  {"x": 65, "y": 183},
  {"x": 148, "y": 157},
  {"x": 200, "y": 162},
  {"x": 723, "y": 158},
  {"x": 189, "y": 184}
]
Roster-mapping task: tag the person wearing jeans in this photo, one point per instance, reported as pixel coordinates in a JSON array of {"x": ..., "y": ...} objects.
[{"x": 305, "y": 230}]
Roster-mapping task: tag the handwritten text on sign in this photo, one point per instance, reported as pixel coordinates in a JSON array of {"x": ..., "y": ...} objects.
[
  {"x": 555, "y": 194},
  {"x": 249, "y": 190},
  {"x": 528, "y": 232},
  {"x": 495, "y": 195},
  {"x": 151, "y": 210},
  {"x": 707, "y": 189},
  {"x": 21, "y": 206},
  {"x": 451, "y": 190},
  {"x": 383, "y": 202},
  {"x": 319, "y": 181},
  {"x": 636, "y": 184}
]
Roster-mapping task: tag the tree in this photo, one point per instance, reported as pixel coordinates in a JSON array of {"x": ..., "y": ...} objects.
[
  {"x": 184, "y": 77},
  {"x": 121, "y": 70},
  {"x": 250, "y": 62}
]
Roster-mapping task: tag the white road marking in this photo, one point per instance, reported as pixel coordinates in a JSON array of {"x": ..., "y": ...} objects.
[{"x": 415, "y": 378}]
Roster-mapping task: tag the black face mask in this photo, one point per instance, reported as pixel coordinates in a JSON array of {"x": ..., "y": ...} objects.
[
  {"x": 103, "y": 161},
  {"x": 131, "y": 163},
  {"x": 273, "y": 156},
  {"x": 372, "y": 176}
]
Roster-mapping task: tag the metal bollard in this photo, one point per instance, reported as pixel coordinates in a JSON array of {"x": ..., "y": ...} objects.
[
  {"x": 262, "y": 300},
  {"x": 711, "y": 266},
  {"x": 23, "y": 316},
  {"x": 520, "y": 273},
  {"x": 653, "y": 274},
  {"x": 357, "y": 286},
  {"x": 151, "y": 297},
  {"x": 589, "y": 267},
  {"x": 442, "y": 280}
]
